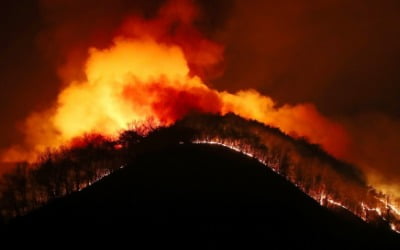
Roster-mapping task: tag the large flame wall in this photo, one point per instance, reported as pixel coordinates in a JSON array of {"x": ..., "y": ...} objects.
[{"x": 154, "y": 70}]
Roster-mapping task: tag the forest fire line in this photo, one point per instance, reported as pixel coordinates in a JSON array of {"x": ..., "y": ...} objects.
[{"x": 362, "y": 210}]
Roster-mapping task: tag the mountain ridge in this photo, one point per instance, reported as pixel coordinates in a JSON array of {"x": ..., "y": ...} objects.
[{"x": 211, "y": 193}]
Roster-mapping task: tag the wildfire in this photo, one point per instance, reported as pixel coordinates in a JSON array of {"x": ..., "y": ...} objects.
[{"x": 153, "y": 70}]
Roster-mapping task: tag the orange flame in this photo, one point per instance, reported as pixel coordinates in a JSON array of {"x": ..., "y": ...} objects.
[{"x": 154, "y": 70}]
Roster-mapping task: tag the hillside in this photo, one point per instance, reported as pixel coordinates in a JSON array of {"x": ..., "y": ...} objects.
[{"x": 195, "y": 196}]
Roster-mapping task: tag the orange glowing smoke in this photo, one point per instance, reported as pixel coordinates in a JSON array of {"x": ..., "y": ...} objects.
[{"x": 154, "y": 70}]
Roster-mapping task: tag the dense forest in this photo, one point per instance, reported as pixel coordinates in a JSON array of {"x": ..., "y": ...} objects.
[{"x": 62, "y": 171}]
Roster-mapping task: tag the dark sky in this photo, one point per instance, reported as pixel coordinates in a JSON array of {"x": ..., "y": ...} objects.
[
  {"x": 341, "y": 55},
  {"x": 24, "y": 78}
]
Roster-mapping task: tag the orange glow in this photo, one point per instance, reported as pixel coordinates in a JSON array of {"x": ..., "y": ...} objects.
[
  {"x": 300, "y": 120},
  {"x": 159, "y": 70},
  {"x": 148, "y": 73}
]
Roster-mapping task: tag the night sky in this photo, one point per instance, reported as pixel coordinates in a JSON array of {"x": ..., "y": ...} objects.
[{"x": 342, "y": 56}]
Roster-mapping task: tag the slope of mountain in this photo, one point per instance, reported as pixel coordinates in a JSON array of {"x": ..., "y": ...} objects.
[{"x": 199, "y": 196}]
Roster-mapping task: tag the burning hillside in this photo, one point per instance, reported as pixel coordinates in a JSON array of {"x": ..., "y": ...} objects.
[
  {"x": 196, "y": 195},
  {"x": 330, "y": 182},
  {"x": 157, "y": 68}
]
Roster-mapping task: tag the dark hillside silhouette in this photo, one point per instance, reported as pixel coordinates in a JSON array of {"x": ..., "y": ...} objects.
[
  {"x": 198, "y": 195},
  {"x": 178, "y": 183}
]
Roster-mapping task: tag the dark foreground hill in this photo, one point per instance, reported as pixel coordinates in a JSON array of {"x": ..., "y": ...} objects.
[{"x": 198, "y": 196}]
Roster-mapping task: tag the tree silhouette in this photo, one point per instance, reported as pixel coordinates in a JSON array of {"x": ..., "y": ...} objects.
[{"x": 90, "y": 157}]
